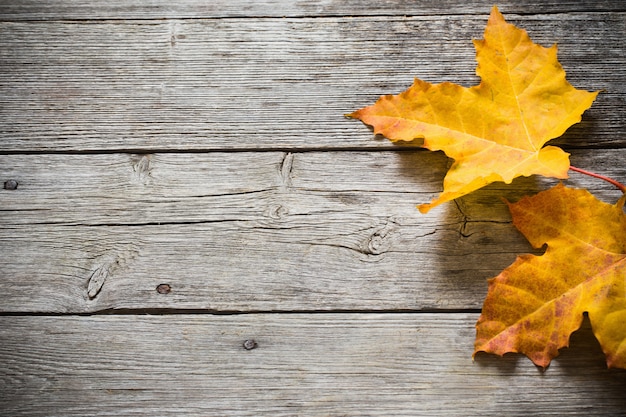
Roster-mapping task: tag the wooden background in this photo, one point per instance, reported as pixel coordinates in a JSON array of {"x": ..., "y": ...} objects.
[{"x": 186, "y": 182}]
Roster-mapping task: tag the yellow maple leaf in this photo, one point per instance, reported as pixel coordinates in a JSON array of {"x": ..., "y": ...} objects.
[
  {"x": 535, "y": 304},
  {"x": 495, "y": 131}
]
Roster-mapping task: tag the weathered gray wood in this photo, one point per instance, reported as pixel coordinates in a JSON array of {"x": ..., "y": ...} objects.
[
  {"x": 318, "y": 263},
  {"x": 264, "y": 83},
  {"x": 159, "y": 9},
  {"x": 254, "y": 231},
  {"x": 306, "y": 365},
  {"x": 302, "y": 227},
  {"x": 139, "y": 189}
]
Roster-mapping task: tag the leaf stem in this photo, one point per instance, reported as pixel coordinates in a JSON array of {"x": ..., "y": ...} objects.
[{"x": 619, "y": 185}]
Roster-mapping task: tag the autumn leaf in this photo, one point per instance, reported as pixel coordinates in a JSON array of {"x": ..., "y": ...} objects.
[
  {"x": 495, "y": 131},
  {"x": 535, "y": 304}
]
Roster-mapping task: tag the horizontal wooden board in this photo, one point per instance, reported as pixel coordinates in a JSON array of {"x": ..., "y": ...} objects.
[
  {"x": 165, "y": 188},
  {"x": 306, "y": 365},
  {"x": 317, "y": 263},
  {"x": 264, "y": 83},
  {"x": 255, "y": 231},
  {"x": 159, "y": 9}
]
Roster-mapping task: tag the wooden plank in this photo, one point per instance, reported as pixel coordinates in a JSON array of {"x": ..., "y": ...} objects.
[
  {"x": 139, "y": 189},
  {"x": 307, "y": 365},
  {"x": 159, "y": 9},
  {"x": 130, "y": 189},
  {"x": 263, "y": 83},
  {"x": 316, "y": 263},
  {"x": 254, "y": 231}
]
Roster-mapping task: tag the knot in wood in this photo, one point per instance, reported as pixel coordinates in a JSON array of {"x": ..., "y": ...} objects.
[
  {"x": 97, "y": 279},
  {"x": 375, "y": 244},
  {"x": 378, "y": 241},
  {"x": 143, "y": 169},
  {"x": 278, "y": 212}
]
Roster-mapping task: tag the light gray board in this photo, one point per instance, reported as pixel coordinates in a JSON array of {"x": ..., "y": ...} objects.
[
  {"x": 164, "y": 188},
  {"x": 264, "y": 83},
  {"x": 159, "y": 9},
  {"x": 307, "y": 365},
  {"x": 317, "y": 263}
]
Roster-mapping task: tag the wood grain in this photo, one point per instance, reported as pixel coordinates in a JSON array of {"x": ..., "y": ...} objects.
[
  {"x": 254, "y": 231},
  {"x": 193, "y": 9},
  {"x": 218, "y": 84},
  {"x": 165, "y": 188},
  {"x": 303, "y": 364},
  {"x": 193, "y": 157},
  {"x": 368, "y": 264}
]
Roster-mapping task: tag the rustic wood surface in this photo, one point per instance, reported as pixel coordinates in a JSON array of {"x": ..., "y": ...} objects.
[
  {"x": 299, "y": 364},
  {"x": 263, "y": 83},
  {"x": 179, "y": 179}
]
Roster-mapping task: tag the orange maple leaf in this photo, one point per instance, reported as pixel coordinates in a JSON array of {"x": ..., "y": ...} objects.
[
  {"x": 494, "y": 131},
  {"x": 535, "y": 304}
]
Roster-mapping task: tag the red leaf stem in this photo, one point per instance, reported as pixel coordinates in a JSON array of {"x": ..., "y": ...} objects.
[{"x": 619, "y": 185}]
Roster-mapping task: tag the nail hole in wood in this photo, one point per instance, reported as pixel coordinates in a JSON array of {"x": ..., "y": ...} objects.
[
  {"x": 249, "y": 344},
  {"x": 10, "y": 185},
  {"x": 163, "y": 288}
]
